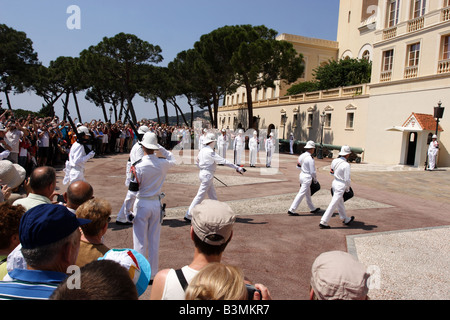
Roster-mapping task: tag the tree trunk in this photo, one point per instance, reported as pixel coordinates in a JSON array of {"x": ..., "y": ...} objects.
[
  {"x": 249, "y": 104},
  {"x": 66, "y": 103},
  {"x": 76, "y": 105},
  {"x": 157, "y": 111},
  {"x": 166, "y": 115},
  {"x": 192, "y": 112},
  {"x": 7, "y": 98},
  {"x": 177, "y": 107}
]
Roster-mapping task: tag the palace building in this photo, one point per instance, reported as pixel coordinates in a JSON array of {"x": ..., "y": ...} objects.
[{"x": 392, "y": 118}]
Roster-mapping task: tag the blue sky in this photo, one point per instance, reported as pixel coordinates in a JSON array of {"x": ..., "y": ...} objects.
[{"x": 174, "y": 25}]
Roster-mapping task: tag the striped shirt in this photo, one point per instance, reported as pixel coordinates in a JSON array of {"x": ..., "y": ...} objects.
[{"x": 30, "y": 284}]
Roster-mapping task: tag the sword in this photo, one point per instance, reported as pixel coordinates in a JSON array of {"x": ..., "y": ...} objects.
[{"x": 220, "y": 181}]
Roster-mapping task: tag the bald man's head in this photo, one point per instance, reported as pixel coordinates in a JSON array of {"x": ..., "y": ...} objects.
[{"x": 78, "y": 193}]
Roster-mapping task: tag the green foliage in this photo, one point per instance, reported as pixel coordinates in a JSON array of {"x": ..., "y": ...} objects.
[
  {"x": 302, "y": 87},
  {"x": 342, "y": 73}
]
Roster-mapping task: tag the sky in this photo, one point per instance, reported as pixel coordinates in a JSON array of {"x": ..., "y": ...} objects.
[{"x": 174, "y": 25}]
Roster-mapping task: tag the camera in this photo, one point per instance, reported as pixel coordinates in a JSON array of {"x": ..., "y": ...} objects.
[
  {"x": 251, "y": 289},
  {"x": 60, "y": 198}
]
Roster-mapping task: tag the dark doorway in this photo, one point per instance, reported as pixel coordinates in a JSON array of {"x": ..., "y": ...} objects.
[{"x": 412, "y": 144}]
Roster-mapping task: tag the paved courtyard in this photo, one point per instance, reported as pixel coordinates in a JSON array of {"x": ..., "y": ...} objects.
[{"x": 401, "y": 230}]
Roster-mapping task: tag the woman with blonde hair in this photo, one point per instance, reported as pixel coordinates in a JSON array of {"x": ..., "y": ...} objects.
[{"x": 217, "y": 281}]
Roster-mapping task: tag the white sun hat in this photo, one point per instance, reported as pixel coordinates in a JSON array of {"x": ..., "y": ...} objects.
[
  {"x": 210, "y": 137},
  {"x": 345, "y": 150},
  {"x": 310, "y": 145},
  {"x": 150, "y": 141}
]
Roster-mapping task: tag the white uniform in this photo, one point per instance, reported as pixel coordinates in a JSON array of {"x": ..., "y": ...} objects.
[
  {"x": 253, "y": 145},
  {"x": 74, "y": 170},
  {"x": 238, "y": 147},
  {"x": 201, "y": 143},
  {"x": 432, "y": 154},
  {"x": 136, "y": 154},
  {"x": 222, "y": 144},
  {"x": 207, "y": 161},
  {"x": 307, "y": 176},
  {"x": 341, "y": 183},
  {"x": 270, "y": 150},
  {"x": 150, "y": 175}
]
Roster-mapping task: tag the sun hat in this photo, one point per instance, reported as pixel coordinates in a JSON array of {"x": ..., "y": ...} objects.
[
  {"x": 310, "y": 145},
  {"x": 212, "y": 221},
  {"x": 83, "y": 129},
  {"x": 434, "y": 136},
  {"x": 143, "y": 130},
  {"x": 337, "y": 275},
  {"x": 150, "y": 141},
  {"x": 11, "y": 174},
  {"x": 46, "y": 224},
  {"x": 137, "y": 265},
  {"x": 345, "y": 150},
  {"x": 210, "y": 137}
]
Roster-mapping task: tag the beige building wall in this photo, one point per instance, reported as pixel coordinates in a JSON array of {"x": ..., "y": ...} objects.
[{"x": 414, "y": 78}]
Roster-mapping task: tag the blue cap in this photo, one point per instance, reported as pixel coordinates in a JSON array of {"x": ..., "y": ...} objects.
[{"x": 46, "y": 224}]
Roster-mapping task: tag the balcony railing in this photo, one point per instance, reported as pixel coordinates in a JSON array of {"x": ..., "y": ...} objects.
[
  {"x": 411, "y": 72},
  {"x": 337, "y": 93},
  {"x": 444, "y": 66},
  {"x": 389, "y": 33},
  {"x": 416, "y": 24},
  {"x": 446, "y": 14},
  {"x": 386, "y": 76}
]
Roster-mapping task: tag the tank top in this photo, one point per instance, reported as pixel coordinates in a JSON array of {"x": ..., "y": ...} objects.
[{"x": 172, "y": 288}]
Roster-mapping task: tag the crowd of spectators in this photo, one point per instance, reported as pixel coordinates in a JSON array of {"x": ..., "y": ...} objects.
[{"x": 39, "y": 141}]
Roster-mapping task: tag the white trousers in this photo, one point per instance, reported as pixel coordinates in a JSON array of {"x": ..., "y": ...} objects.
[
  {"x": 127, "y": 206},
  {"x": 432, "y": 160},
  {"x": 253, "y": 156},
  {"x": 305, "y": 191},
  {"x": 222, "y": 151},
  {"x": 269, "y": 158},
  {"x": 239, "y": 158},
  {"x": 337, "y": 202},
  {"x": 147, "y": 230},
  {"x": 206, "y": 188}
]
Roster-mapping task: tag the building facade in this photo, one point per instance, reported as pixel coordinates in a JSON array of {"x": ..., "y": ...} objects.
[{"x": 408, "y": 42}]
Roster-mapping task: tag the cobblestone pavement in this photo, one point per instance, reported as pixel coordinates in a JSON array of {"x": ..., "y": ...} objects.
[{"x": 278, "y": 250}]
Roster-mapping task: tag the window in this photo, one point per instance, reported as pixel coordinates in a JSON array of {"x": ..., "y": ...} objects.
[
  {"x": 310, "y": 119},
  {"x": 446, "y": 3},
  {"x": 350, "y": 119},
  {"x": 294, "y": 124},
  {"x": 366, "y": 55},
  {"x": 328, "y": 120},
  {"x": 413, "y": 55},
  {"x": 393, "y": 12},
  {"x": 388, "y": 58},
  {"x": 446, "y": 47},
  {"x": 419, "y": 8}
]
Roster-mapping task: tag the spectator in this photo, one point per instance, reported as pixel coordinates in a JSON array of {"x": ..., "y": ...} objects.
[
  {"x": 9, "y": 232},
  {"x": 136, "y": 264},
  {"x": 91, "y": 244},
  {"x": 211, "y": 231},
  {"x": 337, "y": 275},
  {"x": 50, "y": 239},
  {"x": 11, "y": 177},
  {"x": 13, "y": 135},
  {"x": 100, "y": 280},
  {"x": 44, "y": 137},
  {"x": 42, "y": 183},
  {"x": 78, "y": 193},
  {"x": 217, "y": 281},
  {"x": 5, "y": 149}
]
